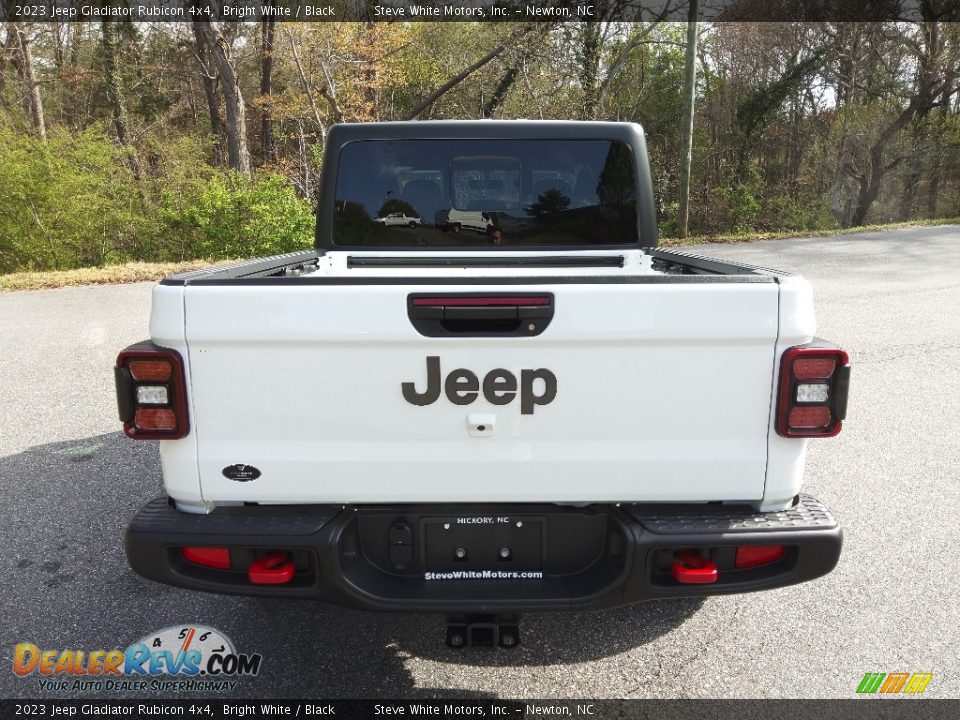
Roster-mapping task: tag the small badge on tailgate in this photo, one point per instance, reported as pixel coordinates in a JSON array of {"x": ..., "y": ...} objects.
[{"x": 241, "y": 473}]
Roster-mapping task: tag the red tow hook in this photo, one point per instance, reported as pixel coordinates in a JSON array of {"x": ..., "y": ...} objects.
[
  {"x": 272, "y": 569},
  {"x": 692, "y": 569}
]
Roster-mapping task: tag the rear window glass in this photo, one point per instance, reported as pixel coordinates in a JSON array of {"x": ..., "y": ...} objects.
[{"x": 468, "y": 193}]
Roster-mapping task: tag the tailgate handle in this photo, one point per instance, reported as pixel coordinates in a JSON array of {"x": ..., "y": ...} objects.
[{"x": 480, "y": 314}]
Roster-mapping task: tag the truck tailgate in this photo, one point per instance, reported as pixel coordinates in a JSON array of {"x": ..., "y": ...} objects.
[{"x": 663, "y": 392}]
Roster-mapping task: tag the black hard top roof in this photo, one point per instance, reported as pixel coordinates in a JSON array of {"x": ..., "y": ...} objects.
[{"x": 484, "y": 129}]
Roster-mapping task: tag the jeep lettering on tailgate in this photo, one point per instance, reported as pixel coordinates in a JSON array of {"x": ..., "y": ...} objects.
[{"x": 499, "y": 387}]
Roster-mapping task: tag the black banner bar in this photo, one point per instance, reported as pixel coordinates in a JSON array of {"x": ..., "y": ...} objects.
[
  {"x": 856, "y": 709},
  {"x": 545, "y": 11}
]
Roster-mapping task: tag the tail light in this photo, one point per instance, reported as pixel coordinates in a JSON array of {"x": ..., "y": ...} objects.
[
  {"x": 211, "y": 557},
  {"x": 812, "y": 399},
  {"x": 749, "y": 556},
  {"x": 151, "y": 395}
]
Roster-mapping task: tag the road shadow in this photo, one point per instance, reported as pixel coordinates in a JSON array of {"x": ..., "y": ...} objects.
[
  {"x": 561, "y": 638},
  {"x": 67, "y": 585}
]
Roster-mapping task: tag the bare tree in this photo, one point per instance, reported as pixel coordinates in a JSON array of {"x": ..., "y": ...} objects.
[
  {"x": 942, "y": 118},
  {"x": 236, "y": 126},
  {"x": 118, "y": 102},
  {"x": 23, "y": 61},
  {"x": 8, "y": 53},
  {"x": 500, "y": 92},
  {"x": 209, "y": 79},
  {"x": 305, "y": 83},
  {"x": 427, "y": 101},
  {"x": 929, "y": 86},
  {"x": 689, "y": 100},
  {"x": 113, "y": 82},
  {"x": 603, "y": 31},
  {"x": 267, "y": 30}
]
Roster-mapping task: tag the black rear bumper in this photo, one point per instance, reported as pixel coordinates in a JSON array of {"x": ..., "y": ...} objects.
[{"x": 557, "y": 558}]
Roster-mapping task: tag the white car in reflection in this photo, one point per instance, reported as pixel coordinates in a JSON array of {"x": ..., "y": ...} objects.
[
  {"x": 399, "y": 219},
  {"x": 458, "y": 220}
]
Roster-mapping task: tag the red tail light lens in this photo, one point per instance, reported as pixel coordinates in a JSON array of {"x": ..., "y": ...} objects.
[
  {"x": 155, "y": 419},
  {"x": 815, "y": 416},
  {"x": 481, "y": 301},
  {"x": 814, "y": 368},
  {"x": 211, "y": 557},
  {"x": 749, "y": 556},
  {"x": 153, "y": 370},
  {"x": 812, "y": 397},
  {"x": 151, "y": 393}
]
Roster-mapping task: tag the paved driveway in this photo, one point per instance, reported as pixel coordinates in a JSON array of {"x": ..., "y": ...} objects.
[{"x": 70, "y": 481}]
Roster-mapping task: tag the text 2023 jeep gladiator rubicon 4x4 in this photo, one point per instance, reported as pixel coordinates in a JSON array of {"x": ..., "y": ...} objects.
[{"x": 551, "y": 415}]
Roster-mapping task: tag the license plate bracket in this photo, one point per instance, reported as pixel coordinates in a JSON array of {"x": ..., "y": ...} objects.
[{"x": 482, "y": 540}]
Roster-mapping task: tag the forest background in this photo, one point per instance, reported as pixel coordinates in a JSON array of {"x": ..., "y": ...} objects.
[{"x": 167, "y": 142}]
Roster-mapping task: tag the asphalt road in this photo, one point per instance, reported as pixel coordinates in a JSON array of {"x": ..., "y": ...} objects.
[{"x": 70, "y": 482}]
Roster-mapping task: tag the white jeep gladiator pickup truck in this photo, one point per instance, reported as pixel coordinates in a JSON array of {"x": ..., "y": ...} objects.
[{"x": 563, "y": 417}]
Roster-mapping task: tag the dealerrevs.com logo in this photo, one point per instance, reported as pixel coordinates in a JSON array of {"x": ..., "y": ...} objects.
[{"x": 178, "y": 658}]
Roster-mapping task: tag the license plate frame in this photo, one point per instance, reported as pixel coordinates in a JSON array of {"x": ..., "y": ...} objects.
[{"x": 482, "y": 537}]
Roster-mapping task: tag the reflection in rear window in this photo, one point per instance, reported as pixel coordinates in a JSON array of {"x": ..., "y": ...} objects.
[{"x": 468, "y": 193}]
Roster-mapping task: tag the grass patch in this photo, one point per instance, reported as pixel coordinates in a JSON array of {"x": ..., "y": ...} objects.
[
  {"x": 784, "y": 235},
  {"x": 108, "y": 275}
]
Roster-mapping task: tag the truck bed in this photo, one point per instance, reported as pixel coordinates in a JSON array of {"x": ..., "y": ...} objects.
[{"x": 680, "y": 266}]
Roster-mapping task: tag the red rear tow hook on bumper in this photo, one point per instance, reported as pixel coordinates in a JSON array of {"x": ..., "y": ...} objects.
[
  {"x": 692, "y": 569},
  {"x": 272, "y": 569}
]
